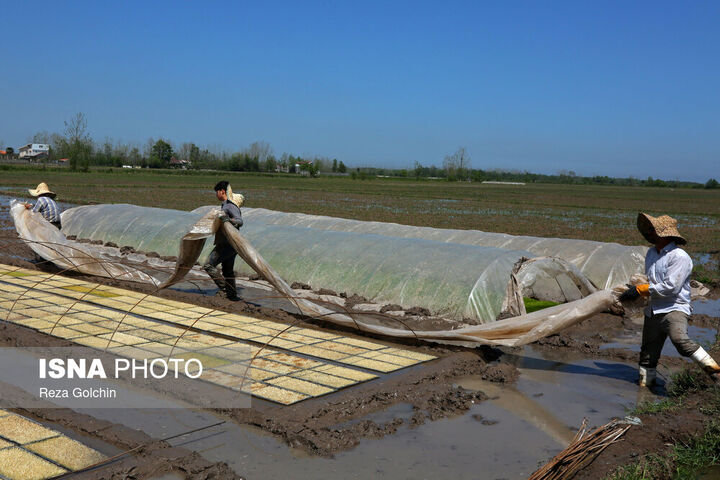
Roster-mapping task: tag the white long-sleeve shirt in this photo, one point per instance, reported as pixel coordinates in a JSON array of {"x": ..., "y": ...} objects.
[{"x": 668, "y": 273}]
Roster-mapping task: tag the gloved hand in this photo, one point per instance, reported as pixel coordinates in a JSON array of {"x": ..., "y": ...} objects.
[
  {"x": 630, "y": 294},
  {"x": 223, "y": 217},
  {"x": 634, "y": 291}
]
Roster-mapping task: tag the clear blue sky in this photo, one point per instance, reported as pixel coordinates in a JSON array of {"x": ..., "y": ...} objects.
[{"x": 598, "y": 87}]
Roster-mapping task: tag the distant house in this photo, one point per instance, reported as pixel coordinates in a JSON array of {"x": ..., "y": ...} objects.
[
  {"x": 34, "y": 151},
  {"x": 179, "y": 163}
]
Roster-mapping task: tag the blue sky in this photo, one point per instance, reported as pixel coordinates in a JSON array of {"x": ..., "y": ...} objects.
[{"x": 608, "y": 88}]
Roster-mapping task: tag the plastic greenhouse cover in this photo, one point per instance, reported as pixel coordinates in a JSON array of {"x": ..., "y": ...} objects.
[
  {"x": 452, "y": 280},
  {"x": 47, "y": 240},
  {"x": 604, "y": 264}
]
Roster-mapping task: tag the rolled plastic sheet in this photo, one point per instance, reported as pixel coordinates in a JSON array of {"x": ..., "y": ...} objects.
[
  {"x": 51, "y": 244},
  {"x": 604, "y": 264}
]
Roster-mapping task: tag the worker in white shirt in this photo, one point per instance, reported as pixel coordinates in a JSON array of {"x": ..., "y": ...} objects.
[{"x": 668, "y": 269}]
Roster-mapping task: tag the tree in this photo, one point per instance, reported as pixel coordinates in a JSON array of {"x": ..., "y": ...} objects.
[
  {"x": 417, "y": 170},
  {"x": 270, "y": 164},
  {"x": 107, "y": 152},
  {"x": 342, "y": 168},
  {"x": 194, "y": 156},
  {"x": 9, "y": 151},
  {"x": 260, "y": 150},
  {"x": 134, "y": 157},
  {"x": 712, "y": 184},
  {"x": 456, "y": 165},
  {"x": 309, "y": 167},
  {"x": 77, "y": 144},
  {"x": 41, "y": 137},
  {"x": 335, "y": 165},
  {"x": 160, "y": 154}
]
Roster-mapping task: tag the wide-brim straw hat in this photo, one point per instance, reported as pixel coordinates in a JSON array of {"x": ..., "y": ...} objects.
[
  {"x": 42, "y": 189},
  {"x": 236, "y": 198},
  {"x": 663, "y": 226}
]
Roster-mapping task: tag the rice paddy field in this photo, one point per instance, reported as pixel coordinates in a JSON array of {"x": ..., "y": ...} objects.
[
  {"x": 602, "y": 213},
  {"x": 330, "y": 402}
]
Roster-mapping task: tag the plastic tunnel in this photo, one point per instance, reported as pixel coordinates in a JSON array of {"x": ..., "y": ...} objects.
[
  {"x": 604, "y": 264},
  {"x": 453, "y": 280},
  {"x": 458, "y": 274}
]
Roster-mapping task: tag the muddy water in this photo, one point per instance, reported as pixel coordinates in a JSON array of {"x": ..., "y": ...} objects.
[
  {"x": 505, "y": 437},
  {"x": 704, "y": 336},
  {"x": 712, "y": 473}
]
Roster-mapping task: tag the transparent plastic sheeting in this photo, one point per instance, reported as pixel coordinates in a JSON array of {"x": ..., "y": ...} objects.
[
  {"x": 604, "y": 264},
  {"x": 519, "y": 330},
  {"x": 453, "y": 280},
  {"x": 515, "y": 331},
  {"x": 447, "y": 271}
]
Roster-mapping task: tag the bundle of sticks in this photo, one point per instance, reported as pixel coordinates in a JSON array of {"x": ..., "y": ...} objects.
[{"x": 583, "y": 449}]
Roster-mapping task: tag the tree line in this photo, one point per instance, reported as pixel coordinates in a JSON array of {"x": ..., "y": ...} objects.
[{"x": 82, "y": 152}]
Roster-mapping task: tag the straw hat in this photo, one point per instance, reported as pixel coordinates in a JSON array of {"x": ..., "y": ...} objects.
[
  {"x": 41, "y": 189},
  {"x": 236, "y": 198},
  {"x": 663, "y": 226}
]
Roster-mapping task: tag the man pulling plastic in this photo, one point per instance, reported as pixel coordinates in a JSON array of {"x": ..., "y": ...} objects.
[
  {"x": 223, "y": 253},
  {"x": 668, "y": 269}
]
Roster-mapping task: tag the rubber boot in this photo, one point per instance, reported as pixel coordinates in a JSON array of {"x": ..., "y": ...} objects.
[
  {"x": 217, "y": 278},
  {"x": 708, "y": 364},
  {"x": 230, "y": 289},
  {"x": 646, "y": 377}
]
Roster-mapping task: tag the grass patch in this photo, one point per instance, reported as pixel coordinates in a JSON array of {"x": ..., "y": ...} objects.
[
  {"x": 702, "y": 274},
  {"x": 532, "y": 305},
  {"x": 684, "y": 462},
  {"x": 686, "y": 381},
  {"x": 666, "y": 405}
]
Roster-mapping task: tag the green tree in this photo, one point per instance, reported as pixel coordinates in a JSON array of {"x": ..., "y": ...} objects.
[
  {"x": 134, "y": 156},
  {"x": 417, "y": 170},
  {"x": 342, "y": 168},
  {"x": 712, "y": 183},
  {"x": 10, "y": 151},
  {"x": 194, "y": 156},
  {"x": 270, "y": 164},
  {"x": 334, "y": 165},
  {"x": 160, "y": 154}
]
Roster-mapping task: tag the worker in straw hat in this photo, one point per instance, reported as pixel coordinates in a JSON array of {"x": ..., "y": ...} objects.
[
  {"x": 223, "y": 253},
  {"x": 668, "y": 269},
  {"x": 45, "y": 205}
]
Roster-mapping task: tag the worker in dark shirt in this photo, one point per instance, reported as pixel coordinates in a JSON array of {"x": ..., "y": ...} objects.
[{"x": 224, "y": 253}]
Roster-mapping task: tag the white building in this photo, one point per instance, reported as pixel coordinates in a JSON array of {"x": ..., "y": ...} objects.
[{"x": 32, "y": 151}]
